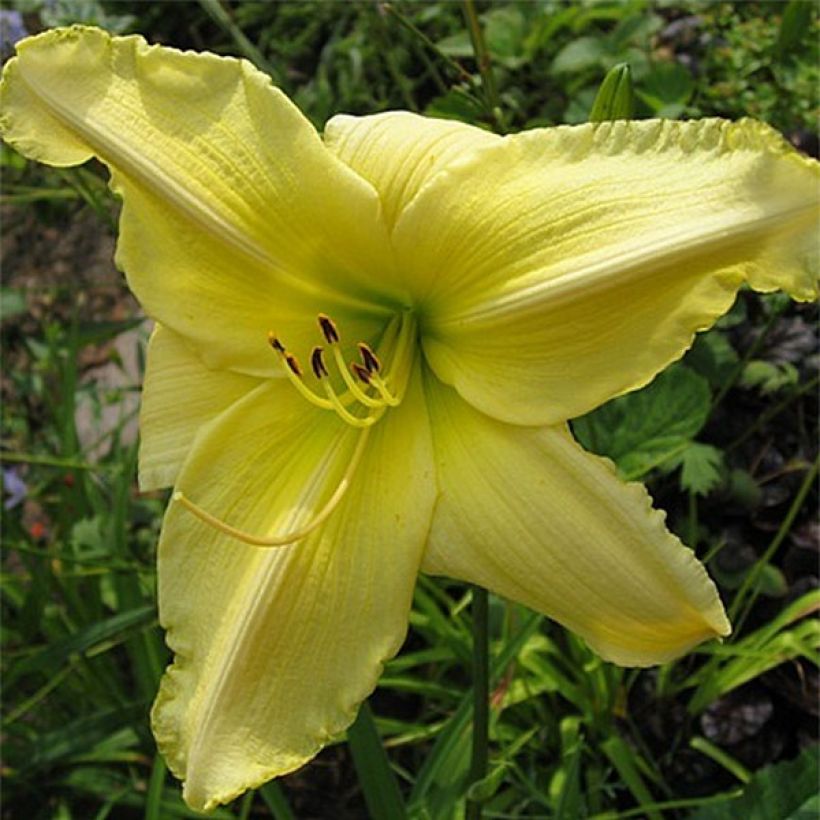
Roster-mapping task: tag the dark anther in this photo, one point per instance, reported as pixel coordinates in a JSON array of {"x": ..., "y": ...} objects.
[
  {"x": 293, "y": 364},
  {"x": 372, "y": 363},
  {"x": 362, "y": 372},
  {"x": 317, "y": 363},
  {"x": 276, "y": 344},
  {"x": 328, "y": 328}
]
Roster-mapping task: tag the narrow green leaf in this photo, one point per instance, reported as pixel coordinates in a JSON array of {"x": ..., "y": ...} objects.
[
  {"x": 446, "y": 765},
  {"x": 274, "y": 798},
  {"x": 623, "y": 758},
  {"x": 722, "y": 758},
  {"x": 80, "y": 737},
  {"x": 48, "y": 660},
  {"x": 794, "y": 25},
  {"x": 566, "y": 784},
  {"x": 381, "y": 791},
  {"x": 153, "y": 799}
]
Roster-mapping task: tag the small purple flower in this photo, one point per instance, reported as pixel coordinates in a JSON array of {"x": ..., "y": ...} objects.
[
  {"x": 14, "y": 488},
  {"x": 11, "y": 30}
]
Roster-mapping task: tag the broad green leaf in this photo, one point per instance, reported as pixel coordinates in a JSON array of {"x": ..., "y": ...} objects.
[
  {"x": 504, "y": 31},
  {"x": 579, "y": 55},
  {"x": 701, "y": 468},
  {"x": 713, "y": 357},
  {"x": 774, "y": 793},
  {"x": 810, "y": 810},
  {"x": 649, "y": 427},
  {"x": 666, "y": 89},
  {"x": 768, "y": 377},
  {"x": 12, "y": 303}
]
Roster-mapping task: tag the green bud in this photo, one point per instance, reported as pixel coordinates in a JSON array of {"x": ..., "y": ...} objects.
[{"x": 614, "y": 100}]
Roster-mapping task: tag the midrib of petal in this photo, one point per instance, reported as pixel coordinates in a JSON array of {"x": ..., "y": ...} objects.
[
  {"x": 141, "y": 168},
  {"x": 154, "y": 177},
  {"x": 242, "y": 627},
  {"x": 629, "y": 265},
  {"x": 624, "y": 267}
]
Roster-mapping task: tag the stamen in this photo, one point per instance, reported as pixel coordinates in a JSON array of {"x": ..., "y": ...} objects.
[
  {"x": 371, "y": 361},
  {"x": 368, "y": 401},
  {"x": 361, "y": 371},
  {"x": 328, "y": 327},
  {"x": 317, "y": 363},
  {"x": 398, "y": 336},
  {"x": 332, "y": 336},
  {"x": 366, "y": 421},
  {"x": 275, "y": 343},
  {"x": 293, "y": 364},
  {"x": 386, "y": 395},
  {"x": 290, "y": 538},
  {"x": 294, "y": 373}
]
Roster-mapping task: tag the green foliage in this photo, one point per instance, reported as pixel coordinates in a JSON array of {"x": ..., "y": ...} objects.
[
  {"x": 720, "y": 437},
  {"x": 653, "y": 427},
  {"x": 787, "y": 790},
  {"x": 768, "y": 377}
]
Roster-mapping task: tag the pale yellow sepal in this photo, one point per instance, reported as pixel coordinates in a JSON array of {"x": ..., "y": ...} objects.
[
  {"x": 230, "y": 196},
  {"x": 526, "y": 513},
  {"x": 399, "y": 152},
  {"x": 276, "y": 648},
  {"x": 561, "y": 267},
  {"x": 179, "y": 396}
]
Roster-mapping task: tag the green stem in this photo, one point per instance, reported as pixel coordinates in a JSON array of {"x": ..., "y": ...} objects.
[
  {"x": 245, "y": 47},
  {"x": 769, "y": 414},
  {"x": 485, "y": 66},
  {"x": 741, "y": 607},
  {"x": 463, "y": 74},
  {"x": 750, "y": 354},
  {"x": 481, "y": 695}
]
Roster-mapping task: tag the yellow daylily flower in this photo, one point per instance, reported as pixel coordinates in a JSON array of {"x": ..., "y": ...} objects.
[{"x": 487, "y": 289}]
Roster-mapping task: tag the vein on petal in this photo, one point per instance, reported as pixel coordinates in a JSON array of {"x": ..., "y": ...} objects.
[{"x": 521, "y": 299}]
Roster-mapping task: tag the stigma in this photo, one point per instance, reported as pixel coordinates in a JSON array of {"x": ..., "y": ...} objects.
[{"x": 365, "y": 388}]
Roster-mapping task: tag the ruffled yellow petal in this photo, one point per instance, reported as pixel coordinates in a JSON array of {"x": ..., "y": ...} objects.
[
  {"x": 231, "y": 200},
  {"x": 275, "y": 648},
  {"x": 179, "y": 396},
  {"x": 399, "y": 152},
  {"x": 525, "y": 512},
  {"x": 562, "y": 267}
]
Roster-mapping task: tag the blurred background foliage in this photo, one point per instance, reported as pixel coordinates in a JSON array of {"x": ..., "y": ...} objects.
[{"x": 726, "y": 440}]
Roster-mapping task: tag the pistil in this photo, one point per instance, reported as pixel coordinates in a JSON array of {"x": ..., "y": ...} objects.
[{"x": 287, "y": 538}]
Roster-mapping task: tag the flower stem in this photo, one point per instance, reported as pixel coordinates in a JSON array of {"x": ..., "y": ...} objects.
[
  {"x": 485, "y": 67},
  {"x": 749, "y": 589},
  {"x": 481, "y": 695}
]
